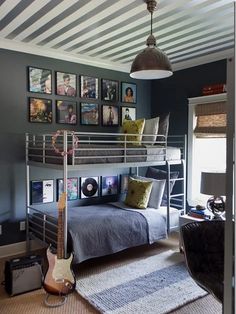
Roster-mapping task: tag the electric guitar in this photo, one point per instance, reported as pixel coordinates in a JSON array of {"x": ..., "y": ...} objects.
[{"x": 59, "y": 279}]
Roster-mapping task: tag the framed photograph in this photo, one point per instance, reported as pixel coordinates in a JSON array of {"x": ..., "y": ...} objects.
[
  {"x": 124, "y": 182},
  {"x": 110, "y": 115},
  {"x": 72, "y": 189},
  {"x": 88, "y": 87},
  {"x": 89, "y": 114},
  {"x": 41, "y": 191},
  {"x": 89, "y": 187},
  {"x": 110, "y": 90},
  {"x": 109, "y": 185},
  {"x": 128, "y": 113},
  {"x": 39, "y": 80},
  {"x": 129, "y": 92},
  {"x": 66, "y": 112},
  {"x": 66, "y": 84},
  {"x": 40, "y": 110}
]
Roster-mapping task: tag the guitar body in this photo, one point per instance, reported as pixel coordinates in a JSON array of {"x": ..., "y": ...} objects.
[{"x": 59, "y": 279}]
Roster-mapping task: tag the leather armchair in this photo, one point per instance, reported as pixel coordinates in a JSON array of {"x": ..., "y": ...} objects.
[{"x": 203, "y": 245}]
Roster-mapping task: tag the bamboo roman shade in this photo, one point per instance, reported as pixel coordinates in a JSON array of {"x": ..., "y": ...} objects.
[{"x": 211, "y": 120}]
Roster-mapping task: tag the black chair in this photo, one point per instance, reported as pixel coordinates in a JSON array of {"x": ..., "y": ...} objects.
[{"x": 203, "y": 246}]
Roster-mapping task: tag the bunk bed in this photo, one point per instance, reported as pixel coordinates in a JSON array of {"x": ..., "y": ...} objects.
[{"x": 76, "y": 151}]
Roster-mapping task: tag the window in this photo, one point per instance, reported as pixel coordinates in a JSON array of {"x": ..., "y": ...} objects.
[{"x": 207, "y": 145}]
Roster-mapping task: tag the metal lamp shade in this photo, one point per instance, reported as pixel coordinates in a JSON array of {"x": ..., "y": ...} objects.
[
  {"x": 151, "y": 63},
  {"x": 213, "y": 183}
]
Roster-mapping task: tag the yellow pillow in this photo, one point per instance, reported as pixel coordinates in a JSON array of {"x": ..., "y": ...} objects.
[
  {"x": 138, "y": 193},
  {"x": 134, "y": 127}
]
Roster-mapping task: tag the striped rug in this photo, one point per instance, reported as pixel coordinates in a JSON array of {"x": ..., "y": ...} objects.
[{"x": 152, "y": 285}]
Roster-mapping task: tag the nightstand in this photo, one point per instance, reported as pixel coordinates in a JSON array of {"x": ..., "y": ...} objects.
[{"x": 183, "y": 220}]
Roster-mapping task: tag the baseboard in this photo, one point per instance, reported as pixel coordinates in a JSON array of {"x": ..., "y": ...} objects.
[{"x": 18, "y": 248}]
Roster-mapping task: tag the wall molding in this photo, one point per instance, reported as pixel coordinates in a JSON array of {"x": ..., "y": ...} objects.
[{"x": 18, "y": 248}]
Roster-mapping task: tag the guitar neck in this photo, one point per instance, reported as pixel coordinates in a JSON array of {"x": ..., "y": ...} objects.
[{"x": 60, "y": 236}]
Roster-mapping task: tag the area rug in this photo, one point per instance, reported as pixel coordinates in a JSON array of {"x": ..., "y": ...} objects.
[{"x": 152, "y": 285}]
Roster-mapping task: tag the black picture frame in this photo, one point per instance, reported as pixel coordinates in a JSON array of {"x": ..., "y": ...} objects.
[
  {"x": 89, "y": 87},
  {"x": 72, "y": 193},
  {"x": 63, "y": 77},
  {"x": 125, "y": 96},
  {"x": 127, "y": 113},
  {"x": 110, "y": 115},
  {"x": 109, "y": 185},
  {"x": 89, "y": 187},
  {"x": 63, "y": 116},
  {"x": 42, "y": 191},
  {"x": 89, "y": 114},
  {"x": 39, "y": 80},
  {"x": 40, "y": 110},
  {"x": 110, "y": 90}
]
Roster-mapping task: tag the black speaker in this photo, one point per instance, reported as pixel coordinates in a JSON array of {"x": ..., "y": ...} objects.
[{"x": 23, "y": 274}]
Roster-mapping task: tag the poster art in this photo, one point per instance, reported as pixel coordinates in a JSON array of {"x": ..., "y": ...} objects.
[
  {"x": 41, "y": 191},
  {"x": 109, "y": 185}
]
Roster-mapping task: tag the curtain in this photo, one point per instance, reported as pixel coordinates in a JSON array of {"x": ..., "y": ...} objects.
[{"x": 211, "y": 120}]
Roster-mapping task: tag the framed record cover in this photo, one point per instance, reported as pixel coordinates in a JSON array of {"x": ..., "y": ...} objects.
[
  {"x": 89, "y": 187},
  {"x": 41, "y": 191},
  {"x": 109, "y": 185},
  {"x": 72, "y": 189}
]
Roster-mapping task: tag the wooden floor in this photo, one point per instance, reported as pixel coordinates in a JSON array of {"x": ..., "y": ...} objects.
[{"x": 33, "y": 302}]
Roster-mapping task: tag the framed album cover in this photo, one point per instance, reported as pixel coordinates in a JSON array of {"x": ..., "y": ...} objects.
[
  {"x": 128, "y": 113},
  {"x": 89, "y": 187},
  {"x": 124, "y": 182},
  {"x": 72, "y": 189},
  {"x": 129, "y": 92},
  {"x": 109, "y": 185},
  {"x": 66, "y": 112},
  {"x": 88, "y": 87},
  {"x": 40, "y": 110},
  {"x": 41, "y": 191},
  {"x": 89, "y": 114},
  {"x": 110, "y": 90},
  {"x": 39, "y": 80},
  {"x": 110, "y": 115},
  {"x": 66, "y": 84}
]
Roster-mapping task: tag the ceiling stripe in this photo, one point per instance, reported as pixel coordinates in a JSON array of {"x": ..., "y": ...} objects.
[{"x": 113, "y": 32}]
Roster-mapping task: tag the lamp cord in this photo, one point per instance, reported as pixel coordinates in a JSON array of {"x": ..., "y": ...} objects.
[{"x": 151, "y": 22}]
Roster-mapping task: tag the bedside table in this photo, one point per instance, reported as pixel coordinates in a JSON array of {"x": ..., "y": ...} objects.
[{"x": 183, "y": 220}]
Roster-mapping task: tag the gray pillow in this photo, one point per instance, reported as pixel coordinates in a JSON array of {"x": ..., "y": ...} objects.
[
  {"x": 163, "y": 128},
  {"x": 151, "y": 127},
  {"x": 158, "y": 187},
  {"x": 161, "y": 175}
]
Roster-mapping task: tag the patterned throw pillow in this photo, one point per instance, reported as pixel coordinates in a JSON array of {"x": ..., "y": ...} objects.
[
  {"x": 133, "y": 127},
  {"x": 138, "y": 193}
]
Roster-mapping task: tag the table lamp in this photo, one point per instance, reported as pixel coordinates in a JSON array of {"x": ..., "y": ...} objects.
[{"x": 214, "y": 183}]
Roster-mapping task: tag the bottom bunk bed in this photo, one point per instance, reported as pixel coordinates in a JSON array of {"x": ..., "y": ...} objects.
[{"x": 99, "y": 230}]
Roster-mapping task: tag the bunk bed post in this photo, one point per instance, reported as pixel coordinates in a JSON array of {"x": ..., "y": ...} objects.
[
  {"x": 65, "y": 149},
  {"x": 168, "y": 197},
  {"x": 184, "y": 185},
  {"x": 27, "y": 173}
]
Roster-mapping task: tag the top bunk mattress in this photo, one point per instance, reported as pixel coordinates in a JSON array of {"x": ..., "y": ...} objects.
[{"x": 104, "y": 153}]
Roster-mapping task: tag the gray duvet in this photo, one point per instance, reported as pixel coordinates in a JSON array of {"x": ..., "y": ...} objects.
[{"x": 105, "y": 229}]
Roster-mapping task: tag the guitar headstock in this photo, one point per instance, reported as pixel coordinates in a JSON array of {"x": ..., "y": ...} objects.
[{"x": 62, "y": 202}]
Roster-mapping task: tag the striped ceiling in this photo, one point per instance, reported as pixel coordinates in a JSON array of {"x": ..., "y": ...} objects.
[{"x": 109, "y": 33}]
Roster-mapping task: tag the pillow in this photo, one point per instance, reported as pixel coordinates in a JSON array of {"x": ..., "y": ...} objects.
[
  {"x": 134, "y": 127},
  {"x": 156, "y": 195},
  {"x": 138, "y": 193},
  {"x": 161, "y": 175},
  {"x": 163, "y": 126},
  {"x": 151, "y": 127}
]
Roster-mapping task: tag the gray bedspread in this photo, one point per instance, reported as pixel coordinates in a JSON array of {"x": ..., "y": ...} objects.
[{"x": 105, "y": 229}]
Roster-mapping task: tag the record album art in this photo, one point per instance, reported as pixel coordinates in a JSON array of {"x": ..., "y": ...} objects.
[
  {"x": 72, "y": 188},
  {"x": 109, "y": 185},
  {"x": 89, "y": 187},
  {"x": 41, "y": 191}
]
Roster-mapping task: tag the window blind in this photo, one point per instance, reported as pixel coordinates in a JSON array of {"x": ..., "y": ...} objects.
[{"x": 211, "y": 120}]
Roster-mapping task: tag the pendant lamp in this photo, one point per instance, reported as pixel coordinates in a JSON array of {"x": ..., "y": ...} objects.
[{"x": 151, "y": 63}]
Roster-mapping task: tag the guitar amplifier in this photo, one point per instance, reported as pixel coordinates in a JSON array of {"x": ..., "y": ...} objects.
[{"x": 23, "y": 274}]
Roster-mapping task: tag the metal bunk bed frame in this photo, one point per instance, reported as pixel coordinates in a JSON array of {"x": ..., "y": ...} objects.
[{"x": 39, "y": 231}]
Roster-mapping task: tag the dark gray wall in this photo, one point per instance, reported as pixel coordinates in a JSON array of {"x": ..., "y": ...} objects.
[
  {"x": 171, "y": 94},
  {"x": 14, "y": 123}
]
